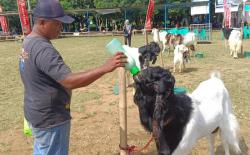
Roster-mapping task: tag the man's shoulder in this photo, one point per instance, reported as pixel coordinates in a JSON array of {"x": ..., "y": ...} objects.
[
  {"x": 37, "y": 41},
  {"x": 36, "y": 44}
]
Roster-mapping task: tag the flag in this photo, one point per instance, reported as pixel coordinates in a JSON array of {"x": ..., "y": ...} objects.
[
  {"x": 24, "y": 16},
  {"x": 150, "y": 12},
  {"x": 227, "y": 14},
  {"x": 3, "y": 22}
]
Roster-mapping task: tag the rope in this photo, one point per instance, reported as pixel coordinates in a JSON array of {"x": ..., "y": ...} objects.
[{"x": 133, "y": 149}]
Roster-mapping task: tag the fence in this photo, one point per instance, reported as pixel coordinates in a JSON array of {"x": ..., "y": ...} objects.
[{"x": 202, "y": 31}]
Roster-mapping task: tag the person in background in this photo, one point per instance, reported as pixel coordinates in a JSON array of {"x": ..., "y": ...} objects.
[
  {"x": 127, "y": 29},
  {"x": 48, "y": 81}
]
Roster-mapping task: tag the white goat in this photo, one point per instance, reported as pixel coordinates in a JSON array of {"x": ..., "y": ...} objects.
[
  {"x": 180, "y": 54},
  {"x": 160, "y": 38},
  {"x": 235, "y": 43},
  {"x": 190, "y": 41},
  {"x": 211, "y": 110}
]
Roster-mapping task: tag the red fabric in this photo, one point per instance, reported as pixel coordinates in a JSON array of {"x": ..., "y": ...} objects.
[
  {"x": 148, "y": 22},
  {"x": 24, "y": 16},
  {"x": 227, "y": 14},
  {"x": 4, "y": 24}
]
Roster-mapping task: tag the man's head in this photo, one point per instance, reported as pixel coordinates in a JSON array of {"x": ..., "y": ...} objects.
[
  {"x": 126, "y": 22},
  {"x": 49, "y": 16}
]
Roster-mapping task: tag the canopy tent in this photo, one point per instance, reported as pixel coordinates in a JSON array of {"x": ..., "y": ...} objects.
[
  {"x": 75, "y": 11},
  {"x": 198, "y": 10},
  {"x": 106, "y": 11}
]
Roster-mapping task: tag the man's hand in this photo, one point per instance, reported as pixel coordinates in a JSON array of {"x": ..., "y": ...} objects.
[{"x": 117, "y": 60}]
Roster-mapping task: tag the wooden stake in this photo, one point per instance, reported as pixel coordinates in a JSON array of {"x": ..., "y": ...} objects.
[
  {"x": 123, "y": 110},
  {"x": 146, "y": 36}
]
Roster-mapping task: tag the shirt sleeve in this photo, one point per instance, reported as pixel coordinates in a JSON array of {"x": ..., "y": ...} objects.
[{"x": 51, "y": 63}]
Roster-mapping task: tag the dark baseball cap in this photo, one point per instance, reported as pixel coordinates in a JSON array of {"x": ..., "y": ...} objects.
[{"x": 51, "y": 9}]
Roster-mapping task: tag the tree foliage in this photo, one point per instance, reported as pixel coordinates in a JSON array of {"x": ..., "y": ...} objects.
[
  {"x": 134, "y": 10},
  {"x": 7, "y": 6}
]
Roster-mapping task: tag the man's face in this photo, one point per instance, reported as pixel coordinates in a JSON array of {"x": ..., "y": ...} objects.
[{"x": 52, "y": 28}]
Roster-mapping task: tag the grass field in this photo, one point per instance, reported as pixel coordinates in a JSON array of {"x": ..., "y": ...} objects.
[{"x": 95, "y": 123}]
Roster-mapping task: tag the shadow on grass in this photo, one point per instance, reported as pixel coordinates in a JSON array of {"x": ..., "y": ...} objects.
[
  {"x": 243, "y": 147},
  {"x": 188, "y": 70}
]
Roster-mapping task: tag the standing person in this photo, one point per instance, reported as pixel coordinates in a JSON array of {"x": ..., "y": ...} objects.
[
  {"x": 127, "y": 29},
  {"x": 48, "y": 81}
]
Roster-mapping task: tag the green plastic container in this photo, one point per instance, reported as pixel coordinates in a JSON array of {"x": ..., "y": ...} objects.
[
  {"x": 247, "y": 53},
  {"x": 26, "y": 129},
  {"x": 180, "y": 90},
  {"x": 199, "y": 55},
  {"x": 114, "y": 46}
]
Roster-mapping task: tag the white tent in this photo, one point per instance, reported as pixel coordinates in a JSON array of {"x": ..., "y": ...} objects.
[{"x": 198, "y": 10}]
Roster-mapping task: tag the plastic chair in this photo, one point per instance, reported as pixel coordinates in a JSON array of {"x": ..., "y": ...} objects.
[
  {"x": 248, "y": 32},
  {"x": 196, "y": 32},
  {"x": 203, "y": 34},
  {"x": 245, "y": 32},
  {"x": 222, "y": 35},
  {"x": 185, "y": 31},
  {"x": 173, "y": 31}
]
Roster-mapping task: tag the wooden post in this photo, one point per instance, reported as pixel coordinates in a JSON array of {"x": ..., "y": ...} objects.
[
  {"x": 242, "y": 26},
  {"x": 123, "y": 110},
  {"x": 146, "y": 36}
]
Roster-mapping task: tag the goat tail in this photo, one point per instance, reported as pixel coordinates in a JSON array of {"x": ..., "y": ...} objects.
[
  {"x": 215, "y": 74},
  {"x": 229, "y": 132}
]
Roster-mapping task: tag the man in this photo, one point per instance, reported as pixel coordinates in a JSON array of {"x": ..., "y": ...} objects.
[
  {"x": 127, "y": 29},
  {"x": 48, "y": 81}
]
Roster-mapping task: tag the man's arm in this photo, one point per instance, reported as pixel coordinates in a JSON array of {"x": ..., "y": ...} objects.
[{"x": 81, "y": 79}]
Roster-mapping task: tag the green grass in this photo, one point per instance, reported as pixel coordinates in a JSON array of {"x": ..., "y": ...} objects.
[{"x": 85, "y": 53}]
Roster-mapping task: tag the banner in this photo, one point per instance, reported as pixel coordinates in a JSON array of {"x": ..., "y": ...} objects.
[
  {"x": 3, "y": 22},
  {"x": 219, "y": 5},
  {"x": 148, "y": 22},
  {"x": 199, "y": 10},
  {"x": 227, "y": 14},
  {"x": 24, "y": 16}
]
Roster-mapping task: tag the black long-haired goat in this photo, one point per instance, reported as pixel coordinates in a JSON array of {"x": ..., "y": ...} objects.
[{"x": 178, "y": 121}]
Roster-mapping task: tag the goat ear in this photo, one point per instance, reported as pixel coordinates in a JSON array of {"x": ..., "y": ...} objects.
[
  {"x": 159, "y": 109},
  {"x": 154, "y": 59},
  {"x": 164, "y": 86},
  {"x": 141, "y": 60}
]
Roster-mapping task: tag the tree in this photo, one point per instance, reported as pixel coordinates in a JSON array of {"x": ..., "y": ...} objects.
[{"x": 7, "y": 6}]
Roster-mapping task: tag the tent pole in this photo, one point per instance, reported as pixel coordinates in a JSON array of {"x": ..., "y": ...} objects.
[
  {"x": 165, "y": 16},
  {"x": 125, "y": 15}
]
